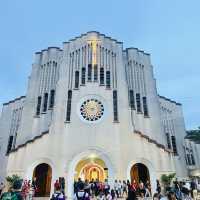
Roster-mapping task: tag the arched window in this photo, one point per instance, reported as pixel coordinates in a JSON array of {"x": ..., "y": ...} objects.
[
  {"x": 145, "y": 108},
  {"x": 131, "y": 99},
  {"x": 95, "y": 72},
  {"x": 69, "y": 101},
  {"x": 107, "y": 79},
  {"x": 76, "y": 79},
  {"x": 115, "y": 106},
  {"x": 168, "y": 141},
  {"x": 174, "y": 145},
  {"x": 52, "y": 98},
  {"x": 101, "y": 76},
  {"x": 192, "y": 159},
  {"x": 138, "y": 102},
  {"x": 45, "y": 102},
  {"x": 10, "y": 142},
  {"x": 89, "y": 72},
  {"x": 39, "y": 100},
  {"x": 83, "y": 76}
]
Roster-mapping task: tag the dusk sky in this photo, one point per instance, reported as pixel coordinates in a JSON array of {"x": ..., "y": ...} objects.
[{"x": 167, "y": 29}]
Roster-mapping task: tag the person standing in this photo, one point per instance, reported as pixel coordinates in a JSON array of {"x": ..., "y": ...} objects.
[
  {"x": 193, "y": 187},
  {"x": 124, "y": 189},
  {"x": 87, "y": 186},
  {"x": 116, "y": 185},
  {"x": 120, "y": 188},
  {"x": 158, "y": 186},
  {"x": 106, "y": 187},
  {"x": 56, "y": 185},
  {"x": 132, "y": 191}
]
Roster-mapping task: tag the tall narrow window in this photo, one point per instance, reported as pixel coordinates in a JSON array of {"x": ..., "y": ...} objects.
[
  {"x": 10, "y": 141},
  {"x": 83, "y": 76},
  {"x": 107, "y": 79},
  {"x": 192, "y": 159},
  {"x": 39, "y": 100},
  {"x": 138, "y": 102},
  {"x": 69, "y": 102},
  {"x": 115, "y": 106},
  {"x": 45, "y": 102},
  {"x": 145, "y": 108},
  {"x": 101, "y": 76},
  {"x": 76, "y": 79},
  {"x": 52, "y": 98},
  {"x": 95, "y": 72},
  {"x": 174, "y": 145},
  {"x": 89, "y": 72},
  {"x": 131, "y": 99},
  {"x": 168, "y": 141},
  {"x": 188, "y": 159}
]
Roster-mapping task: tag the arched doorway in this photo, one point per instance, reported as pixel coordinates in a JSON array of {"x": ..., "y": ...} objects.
[
  {"x": 43, "y": 175},
  {"x": 91, "y": 168},
  {"x": 90, "y": 154},
  {"x": 140, "y": 173}
]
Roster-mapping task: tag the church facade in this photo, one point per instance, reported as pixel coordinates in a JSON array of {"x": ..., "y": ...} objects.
[{"x": 92, "y": 111}]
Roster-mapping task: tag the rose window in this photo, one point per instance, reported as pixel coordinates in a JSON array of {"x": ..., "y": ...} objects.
[{"x": 92, "y": 110}]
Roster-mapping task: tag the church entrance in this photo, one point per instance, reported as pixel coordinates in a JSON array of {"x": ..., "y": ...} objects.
[
  {"x": 91, "y": 168},
  {"x": 42, "y": 175},
  {"x": 140, "y": 173}
]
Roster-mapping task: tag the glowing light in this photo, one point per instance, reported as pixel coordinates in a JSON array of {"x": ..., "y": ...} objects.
[
  {"x": 94, "y": 41},
  {"x": 92, "y": 156},
  {"x": 94, "y": 52}
]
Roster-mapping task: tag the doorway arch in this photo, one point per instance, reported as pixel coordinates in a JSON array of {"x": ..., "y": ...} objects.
[
  {"x": 151, "y": 169},
  {"x": 140, "y": 173},
  {"x": 42, "y": 175},
  {"x": 91, "y": 154},
  {"x": 91, "y": 169}
]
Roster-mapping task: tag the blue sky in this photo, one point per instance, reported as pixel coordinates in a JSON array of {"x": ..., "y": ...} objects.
[{"x": 168, "y": 29}]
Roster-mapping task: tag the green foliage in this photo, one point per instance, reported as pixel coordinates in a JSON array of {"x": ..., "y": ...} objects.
[
  {"x": 166, "y": 179},
  {"x": 194, "y": 135},
  {"x": 12, "y": 179}
]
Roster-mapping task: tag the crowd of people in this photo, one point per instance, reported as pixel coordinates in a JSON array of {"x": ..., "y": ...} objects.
[
  {"x": 179, "y": 190},
  {"x": 103, "y": 191},
  {"x": 97, "y": 190}
]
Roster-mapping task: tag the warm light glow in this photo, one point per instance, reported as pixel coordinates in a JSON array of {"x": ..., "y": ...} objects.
[
  {"x": 94, "y": 52},
  {"x": 93, "y": 41},
  {"x": 92, "y": 156}
]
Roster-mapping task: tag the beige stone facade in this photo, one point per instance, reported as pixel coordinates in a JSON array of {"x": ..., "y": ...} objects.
[{"x": 93, "y": 100}]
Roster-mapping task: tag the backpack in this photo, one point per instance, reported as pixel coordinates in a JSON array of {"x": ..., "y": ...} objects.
[
  {"x": 81, "y": 198},
  {"x": 57, "y": 196},
  {"x": 9, "y": 196}
]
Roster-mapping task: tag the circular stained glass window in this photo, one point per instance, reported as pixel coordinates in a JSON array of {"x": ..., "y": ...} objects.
[{"x": 92, "y": 109}]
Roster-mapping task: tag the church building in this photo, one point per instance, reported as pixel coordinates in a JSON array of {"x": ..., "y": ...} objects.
[{"x": 92, "y": 111}]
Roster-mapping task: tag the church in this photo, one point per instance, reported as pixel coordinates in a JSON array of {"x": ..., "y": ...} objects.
[{"x": 92, "y": 111}]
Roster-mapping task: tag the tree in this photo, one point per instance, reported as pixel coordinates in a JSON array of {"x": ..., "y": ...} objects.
[
  {"x": 12, "y": 179},
  {"x": 166, "y": 179},
  {"x": 193, "y": 135}
]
